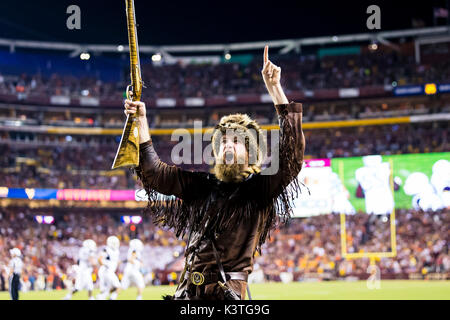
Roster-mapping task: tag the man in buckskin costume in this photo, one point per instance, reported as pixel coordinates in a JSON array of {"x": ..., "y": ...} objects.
[{"x": 228, "y": 214}]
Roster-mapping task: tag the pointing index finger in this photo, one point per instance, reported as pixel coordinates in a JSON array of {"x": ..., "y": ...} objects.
[{"x": 266, "y": 54}]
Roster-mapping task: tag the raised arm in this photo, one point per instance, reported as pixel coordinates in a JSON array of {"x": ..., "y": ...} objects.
[
  {"x": 271, "y": 75},
  {"x": 292, "y": 140},
  {"x": 154, "y": 173}
]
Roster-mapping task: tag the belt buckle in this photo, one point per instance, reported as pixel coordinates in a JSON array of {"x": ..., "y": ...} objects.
[{"x": 197, "y": 278}]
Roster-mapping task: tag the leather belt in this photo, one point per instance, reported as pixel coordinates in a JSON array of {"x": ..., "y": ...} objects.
[{"x": 199, "y": 278}]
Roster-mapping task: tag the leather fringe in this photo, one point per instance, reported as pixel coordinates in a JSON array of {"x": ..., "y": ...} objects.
[{"x": 190, "y": 216}]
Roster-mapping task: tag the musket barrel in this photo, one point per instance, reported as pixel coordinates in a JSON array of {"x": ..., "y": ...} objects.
[
  {"x": 128, "y": 152},
  {"x": 134, "y": 51}
]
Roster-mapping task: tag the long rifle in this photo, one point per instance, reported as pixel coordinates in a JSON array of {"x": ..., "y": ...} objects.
[{"x": 128, "y": 152}]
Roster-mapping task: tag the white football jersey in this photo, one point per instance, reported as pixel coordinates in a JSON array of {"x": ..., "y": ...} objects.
[
  {"x": 110, "y": 258},
  {"x": 376, "y": 185},
  {"x": 16, "y": 265},
  {"x": 84, "y": 255},
  {"x": 136, "y": 261},
  {"x": 340, "y": 202},
  {"x": 441, "y": 184}
]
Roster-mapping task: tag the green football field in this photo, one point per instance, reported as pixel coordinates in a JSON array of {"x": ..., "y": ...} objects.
[{"x": 334, "y": 290}]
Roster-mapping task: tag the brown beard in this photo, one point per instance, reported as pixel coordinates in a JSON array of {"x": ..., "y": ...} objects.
[{"x": 229, "y": 172}]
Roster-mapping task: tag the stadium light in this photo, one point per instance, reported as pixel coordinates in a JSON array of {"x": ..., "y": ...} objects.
[
  {"x": 120, "y": 48},
  {"x": 125, "y": 219},
  {"x": 373, "y": 46},
  {"x": 85, "y": 56},
  {"x": 131, "y": 219},
  {"x": 136, "y": 219},
  {"x": 48, "y": 219},
  {"x": 156, "y": 57},
  {"x": 335, "y": 38},
  {"x": 227, "y": 56},
  {"x": 44, "y": 219}
]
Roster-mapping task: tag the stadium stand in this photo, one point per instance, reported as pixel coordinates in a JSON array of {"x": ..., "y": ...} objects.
[
  {"x": 307, "y": 248},
  {"x": 61, "y": 122}
]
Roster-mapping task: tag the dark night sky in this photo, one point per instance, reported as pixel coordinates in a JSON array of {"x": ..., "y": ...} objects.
[{"x": 195, "y": 22}]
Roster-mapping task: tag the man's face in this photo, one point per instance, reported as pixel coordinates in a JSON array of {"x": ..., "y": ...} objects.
[{"x": 232, "y": 150}]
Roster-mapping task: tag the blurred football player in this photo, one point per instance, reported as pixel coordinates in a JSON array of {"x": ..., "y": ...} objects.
[
  {"x": 440, "y": 180},
  {"x": 86, "y": 263},
  {"x": 374, "y": 180},
  {"x": 109, "y": 260},
  {"x": 340, "y": 196},
  {"x": 71, "y": 276},
  {"x": 424, "y": 198},
  {"x": 132, "y": 273},
  {"x": 15, "y": 267}
]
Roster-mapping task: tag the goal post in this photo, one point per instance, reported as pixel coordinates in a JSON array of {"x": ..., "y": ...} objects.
[{"x": 393, "y": 241}]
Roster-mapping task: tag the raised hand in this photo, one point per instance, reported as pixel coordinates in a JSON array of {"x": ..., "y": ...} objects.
[
  {"x": 135, "y": 108},
  {"x": 271, "y": 75},
  {"x": 270, "y": 72}
]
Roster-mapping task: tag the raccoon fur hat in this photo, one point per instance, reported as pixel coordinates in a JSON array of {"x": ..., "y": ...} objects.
[{"x": 246, "y": 129}]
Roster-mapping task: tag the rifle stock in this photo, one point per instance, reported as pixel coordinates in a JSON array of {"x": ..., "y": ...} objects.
[{"x": 128, "y": 152}]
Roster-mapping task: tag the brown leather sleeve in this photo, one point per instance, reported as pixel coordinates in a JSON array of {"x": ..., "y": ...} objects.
[
  {"x": 161, "y": 177},
  {"x": 294, "y": 107},
  {"x": 293, "y": 112},
  {"x": 291, "y": 148}
]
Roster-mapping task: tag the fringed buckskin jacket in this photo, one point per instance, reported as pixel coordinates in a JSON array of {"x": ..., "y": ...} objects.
[{"x": 238, "y": 216}]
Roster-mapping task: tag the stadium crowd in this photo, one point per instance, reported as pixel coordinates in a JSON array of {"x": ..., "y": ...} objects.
[
  {"x": 49, "y": 250},
  {"x": 312, "y": 245},
  {"x": 303, "y": 247},
  {"x": 314, "y": 112},
  {"x": 300, "y": 72},
  {"x": 57, "y": 167},
  {"x": 86, "y": 163}
]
